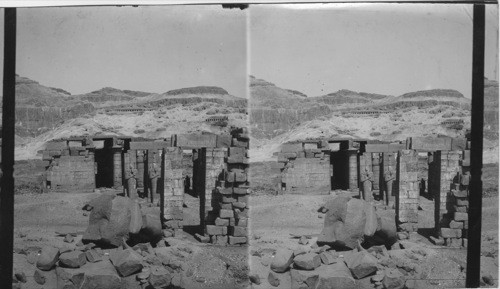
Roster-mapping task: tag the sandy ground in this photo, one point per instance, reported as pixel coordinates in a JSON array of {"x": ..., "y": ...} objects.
[{"x": 275, "y": 218}]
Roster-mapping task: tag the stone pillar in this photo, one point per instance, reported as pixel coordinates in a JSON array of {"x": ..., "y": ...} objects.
[
  {"x": 117, "y": 167},
  {"x": 408, "y": 194},
  {"x": 352, "y": 155},
  {"x": 140, "y": 169},
  {"x": 377, "y": 175},
  {"x": 173, "y": 194}
]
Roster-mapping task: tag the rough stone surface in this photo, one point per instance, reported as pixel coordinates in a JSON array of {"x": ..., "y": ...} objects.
[
  {"x": 308, "y": 261},
  {"x": 100, "y": 275},
  {"x": 361, "y": 264},
  {"x": 109, "y": 220},
  {"x": 273, "y": 279},
  {"x": 48, "y": 258},
  {"x": 327, "y": 258},
  {"x": 126, "y": 262},
  {"x": 325, "y": 277},
  {"x": 393, "y": 279},
  {"x": 73, "y": 259},
  {"x": 39, "y": 277},
  {"x": 349, "y": 220},
  {"x": 159, "y": 277},
  {"x": 282, "y": 260}
]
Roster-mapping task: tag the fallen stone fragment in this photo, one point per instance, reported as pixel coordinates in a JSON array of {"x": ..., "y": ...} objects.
[
  {"x": 393, "y": 279},
  {"x": 159, "y": 277},
  {"x": 273, "y": 279},
  {"x": 93, "y": 256},
  {"x": 73, "y": 259},
  {"x": 48, "y": 258},
  {"x": 361, "y": 264},
  {"x": 335, "y": 276},
  {"x": 100, "y": 275},
  {"x": 303, "y": 240},
  {"x": 303, "y": 279},
  {"x": 282, "y": 260},
  {"x": 327, "y": 258},
  {"x": 32, "y": 257},
  {"x": 299, "y": 251},
  {"x": 308, "y": 261},
  {"x": 254, "y": 278},
  {"x": 126, "y": 262},
  {"x": 488, "y": 279},
  {"x": 39, "y": 277},
  {"x": 20, "y": 276}
]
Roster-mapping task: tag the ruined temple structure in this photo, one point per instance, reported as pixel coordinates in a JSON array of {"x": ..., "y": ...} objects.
[
  {"x": 156, "y": 172},
  {"x": 422, "y": 165}
]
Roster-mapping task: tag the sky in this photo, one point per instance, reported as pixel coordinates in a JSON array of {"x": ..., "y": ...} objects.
[
  {"x": 377, "y": 48},
  {"x": 314, "y": 48},
  {"x": 152, "y": 49}
]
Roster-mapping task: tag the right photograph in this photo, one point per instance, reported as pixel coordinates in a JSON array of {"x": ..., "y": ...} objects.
[{"x": 360, "y": 125}]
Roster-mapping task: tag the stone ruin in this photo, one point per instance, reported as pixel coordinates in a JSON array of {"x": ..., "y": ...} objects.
[
  {"x": 154, "y": 173},
  {"x": 432, "y": 166}
]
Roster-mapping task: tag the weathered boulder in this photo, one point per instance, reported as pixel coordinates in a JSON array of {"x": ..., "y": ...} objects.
[
  {"x": 328, "y": 257},
  {"x": 273, "y": 279},
  {"x": 335, "y": 276},
  {"x": 39, "y": 277},
  {"x": 361, "y": 264},
  {"x": 135, "y": 217},
  {"x": 48, "y": 258},
  {"x": 282, "y": 260},
  {"x": 126, "y": 262},
  {"x": 159, "y": 277},
  {"x": 308, "y": 261},
  {"x": 350, "y": 220},
  {"x": 393, "y": 279},
  {"x": 109, "y": 221},
  {"x": 73, "y": 259}
]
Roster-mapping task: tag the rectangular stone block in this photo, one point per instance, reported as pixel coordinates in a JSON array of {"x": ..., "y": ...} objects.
[
  {"x": 225, "y": 191},
  {"x": 242, "y": 222},
  {"x": 377, "y": 148},
  {"x": 310, "y": 146},
  {"x": 228, "y": 206},
  {"x": 237, "y": 240},
  {"x": 462, "y": 202},
  {"x": 221, "y": 222},
  {"x": 228, "y": 199},
  {"x": 454, "y": 242},
  {"x": 457, "y": 216},
  {"x": 196, "y": 140},
  {"x": 226, "y": 214},
  {"x": 240, "y": 190},
  {"x": 239, "y": 205},
  {"x": 456, "y": 225},
  {"x": 216, "y": 230},
  {"x": 232, "y": 222},
  {"x": 238, "y": 231},
  {"x": 290, "y": 155},
  {"x": 224, "y": 141},
  {"x": 451, "y": 233}
]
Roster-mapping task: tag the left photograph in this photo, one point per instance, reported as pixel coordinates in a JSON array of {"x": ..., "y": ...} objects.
[{"x": 131, "y": 154}]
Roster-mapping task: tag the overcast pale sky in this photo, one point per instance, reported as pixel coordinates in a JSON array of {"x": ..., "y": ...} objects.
[
  {"x": 378, "y": 48},
  {"x": 152, "y": 49}
]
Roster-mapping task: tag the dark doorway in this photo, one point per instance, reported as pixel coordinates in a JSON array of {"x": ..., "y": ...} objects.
[
  {"x": 104, "y": 159},
  {"x": 339, "y": 161}
]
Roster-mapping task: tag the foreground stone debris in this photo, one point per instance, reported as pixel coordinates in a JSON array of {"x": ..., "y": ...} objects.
[
  {"x": 127, "y": 262},
  {"x": 47, "y": 258},
  {"x": 282, "y": 260}
]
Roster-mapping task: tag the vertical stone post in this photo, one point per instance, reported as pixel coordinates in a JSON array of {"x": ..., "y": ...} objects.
[
  {"x": 173, "y": 194},
  {"x": 140, "y": 170},
  {"x": 352, "y": 155},
  {"x": 408, "y": 194},
  {"x": 117, "y": 167}
]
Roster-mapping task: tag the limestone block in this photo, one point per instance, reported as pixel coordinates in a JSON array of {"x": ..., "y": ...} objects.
[
  {"x": 216, "y": 230},
  {"x": 461, "y": 216},
  {"x": 451, "y": 233}
]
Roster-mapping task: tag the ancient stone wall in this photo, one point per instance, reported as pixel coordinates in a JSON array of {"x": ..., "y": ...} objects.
[
  {"x": 306, "y": 168},
  {"x": 443, "y": 173},
  {"x": 228, "y": 220},
  {"x": 407, "y": 197},
  {"x": 173, "y": 188}
]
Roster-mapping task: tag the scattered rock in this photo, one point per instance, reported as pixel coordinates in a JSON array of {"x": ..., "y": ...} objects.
[
  {"x": 48, "y": 258},
  {"x": 39, "y": 277},
  {"x": 308, "y": 261},
  {"x": 303, "y": 240},
  {"x": 159, "y": 277},
  {"x": 20, "y": 276},
  {"x": 273, "y": 279},
  {"x": 328, "y": 257},
  {"x": 126, "y": 262},
  {"x": 488, "y": 279},
  {"x": 93, "y": 256},
  {"x": 68, "y": 238},
  {"x": 393, "y": 279},
  {"x": 73, "y": 259},
  {"x": 299, "y": 251},
  {"x": 100, "y": 275},
  {"x": 32, "y": 257},
  {"x": 254, "y": 278},
  {"x": 361, "y": 264},
  {"x": 282, "y": 260}
]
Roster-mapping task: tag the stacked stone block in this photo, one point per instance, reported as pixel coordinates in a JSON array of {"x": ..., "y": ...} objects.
[
  {"x": 455, "y": 234},
  {"x": 407, "y": 197},
  {"x": 173, "y": 188},
  {"x": 443, "y": 173},
  {"x": 377, "y": 173},
  {"x": 215, "y": 166},
  {"x": 228, "y": 221},
  {"x": 305, "y": 167}
]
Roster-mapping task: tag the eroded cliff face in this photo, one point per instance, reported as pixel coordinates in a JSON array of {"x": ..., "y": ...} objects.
[{"x": 40, "y": 108}]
